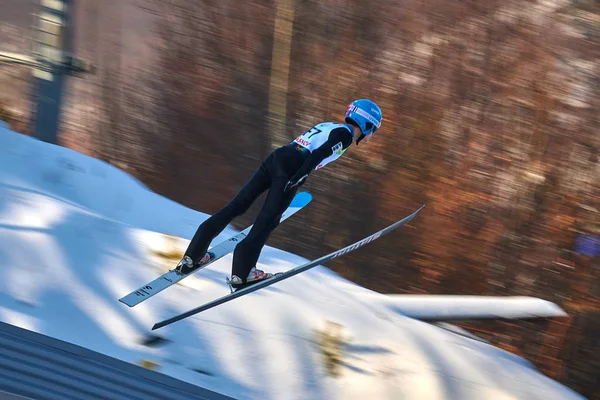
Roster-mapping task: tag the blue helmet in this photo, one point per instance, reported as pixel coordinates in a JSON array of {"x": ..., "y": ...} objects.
[{"x": 366, "y": 115}]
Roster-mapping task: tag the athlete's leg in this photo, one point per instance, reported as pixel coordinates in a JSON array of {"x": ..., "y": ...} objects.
[
  {"x": 248, "y": 250},
  {"x": 210, "y": 228}
]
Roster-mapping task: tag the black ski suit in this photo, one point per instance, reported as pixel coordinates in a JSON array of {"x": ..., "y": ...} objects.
[{"x": 290, "y": 163}]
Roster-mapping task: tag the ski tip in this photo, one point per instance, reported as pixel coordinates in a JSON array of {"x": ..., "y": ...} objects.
[
  {"x": 301, "y": 199},
  {"x": 414, "y": 214}
]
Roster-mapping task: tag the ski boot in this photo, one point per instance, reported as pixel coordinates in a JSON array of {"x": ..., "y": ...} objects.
[
  {"x": 255, "y": 275},
  {"x": 186, "y": 265}
]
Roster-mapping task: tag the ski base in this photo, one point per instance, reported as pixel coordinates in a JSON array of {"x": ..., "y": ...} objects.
[
  {"x": 219, "y": 251},
  {"x": 284, "y": 275}
]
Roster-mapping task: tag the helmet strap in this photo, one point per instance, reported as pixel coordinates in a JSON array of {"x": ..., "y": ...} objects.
[{"x": 361, "y": 137}]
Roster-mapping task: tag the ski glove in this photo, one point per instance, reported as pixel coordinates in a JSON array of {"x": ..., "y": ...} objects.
[{"x": 291, "y": 184}]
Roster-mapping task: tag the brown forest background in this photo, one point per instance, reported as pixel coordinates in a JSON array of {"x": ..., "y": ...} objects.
[{"x": 490, "y": 119}]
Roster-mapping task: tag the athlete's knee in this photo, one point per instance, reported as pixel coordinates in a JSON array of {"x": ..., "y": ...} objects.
[
  {"x": 237, "y": 207},
  {"x": 266, "y": 223}
]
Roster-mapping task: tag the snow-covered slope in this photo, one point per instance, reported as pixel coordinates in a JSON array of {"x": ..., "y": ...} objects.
[{"x": 77, "y": 234}]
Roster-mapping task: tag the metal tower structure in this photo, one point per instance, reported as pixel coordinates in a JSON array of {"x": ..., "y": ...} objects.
[{"x": 51, "y": 62}]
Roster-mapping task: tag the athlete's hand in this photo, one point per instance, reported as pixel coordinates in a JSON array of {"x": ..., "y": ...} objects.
[{"x": 294, "y": 184}]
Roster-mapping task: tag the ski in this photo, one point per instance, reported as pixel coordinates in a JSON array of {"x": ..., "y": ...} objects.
[
  {"x": 220, "y": 250},
  {"x": 288, "y": 274}
]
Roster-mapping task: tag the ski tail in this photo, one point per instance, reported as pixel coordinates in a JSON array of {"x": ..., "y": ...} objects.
[
  {"x": 288, "y": 274},
  {"x": 219, "y": 251}
]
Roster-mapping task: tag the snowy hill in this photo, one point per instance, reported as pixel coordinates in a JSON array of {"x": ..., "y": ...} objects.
[{"x": 77, "y": 234}]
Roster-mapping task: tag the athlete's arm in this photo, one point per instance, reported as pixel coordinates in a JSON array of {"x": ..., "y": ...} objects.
[{"x": 339, "y": 138}]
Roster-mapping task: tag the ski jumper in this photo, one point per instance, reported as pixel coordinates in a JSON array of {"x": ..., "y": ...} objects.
[{"x": 310, "y": 151}]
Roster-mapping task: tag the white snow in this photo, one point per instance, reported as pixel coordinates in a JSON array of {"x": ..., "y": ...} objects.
[
  {"x": 443, "y": 307},
  {"x": 77, "y": 234}
]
